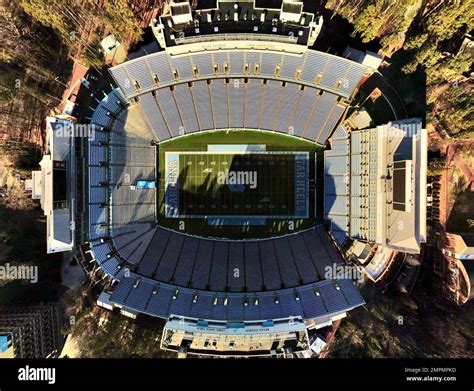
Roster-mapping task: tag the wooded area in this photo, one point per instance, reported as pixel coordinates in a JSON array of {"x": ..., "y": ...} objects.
[
  {"x": 428, "y": 34},
  {"x": 40, "y": 41},
  {"x": 31, "y": 59}
]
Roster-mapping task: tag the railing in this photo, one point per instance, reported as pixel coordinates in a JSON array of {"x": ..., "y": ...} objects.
[{"x": 237, "y": 37}]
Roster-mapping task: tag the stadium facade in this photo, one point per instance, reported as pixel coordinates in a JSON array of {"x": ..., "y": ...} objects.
[
  {"x": 55, "y": 184},
  {"x": 29, "y": 331},
  {"x": 240, "y": 65}
]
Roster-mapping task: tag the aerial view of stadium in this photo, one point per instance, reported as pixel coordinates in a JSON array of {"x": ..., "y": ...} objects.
[{"x": 238, "y": 179}]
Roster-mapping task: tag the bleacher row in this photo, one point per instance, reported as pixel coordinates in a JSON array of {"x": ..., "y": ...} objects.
[
  {"x": 115, "y": 157},
  {"x": 238, "y": 266},
  {"x": 113, "y": 102},
  {"x": 235, "y": 103},
  {"x": 217, "y": 265},
  {"x": 336, "y": 184},
  {"x": 238, "y": 103},
  {"x": 98, "y": 159},
  {"x": 319, "y": 301},
  {"x": 313, "y": 68}
]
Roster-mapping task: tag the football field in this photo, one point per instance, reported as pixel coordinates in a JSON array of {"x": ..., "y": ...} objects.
[{"x": 271, "y": 184}]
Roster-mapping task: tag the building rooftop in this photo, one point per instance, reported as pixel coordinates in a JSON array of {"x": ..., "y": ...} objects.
[
  {"x": 375, "y": 187},
  {"x": 54, "y": 184},
  {"x": 284, "y": 19}
]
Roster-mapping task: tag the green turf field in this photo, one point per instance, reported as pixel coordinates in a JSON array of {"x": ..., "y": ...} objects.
[
  {"x": 264, "y": 184},
  {"x": 274, "y": 195}
]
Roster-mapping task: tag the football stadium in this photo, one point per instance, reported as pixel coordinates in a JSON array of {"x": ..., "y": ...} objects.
[{"x": 225, "y": 181}]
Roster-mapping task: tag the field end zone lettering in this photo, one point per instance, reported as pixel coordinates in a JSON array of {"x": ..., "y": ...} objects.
[
  {"x": 301, "y": 185},
  {"x": 172, "y": 185}
]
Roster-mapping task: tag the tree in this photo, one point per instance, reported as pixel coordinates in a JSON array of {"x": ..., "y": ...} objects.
[
  {"x": 455, "y": 109},
  {"x": 369, "y": 22},
  {"x": 387, "y": 20},
  {"x": 81, "y": 24},
  {"x": 436, "y": 166},
  {"x": 450, "y": 67},
  {"x": 32, "y": 57},
  {"x": 425, "y": 47}
]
